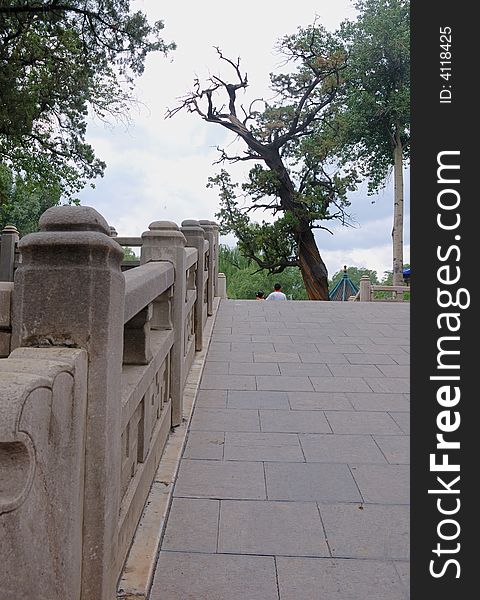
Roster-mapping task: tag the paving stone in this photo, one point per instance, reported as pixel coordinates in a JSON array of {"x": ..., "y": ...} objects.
[
  {"x": 340, "y": 384},
  {"x": 263, "y": 447},
  {"x": 222, "y": 419},
  {"x": 345, "y": 339},
  {"x": 229, "y": 357},
  {"x": 403, "y": 420},
  {"x": 259, "y": 399},
  {"x": 273, "y": 339},
  {"x": 390, "y": 384},
  {"x": 372, "y": 348},
  {"x": 192, "y": 525},
  {"x": 278, "y": 357},
  {"x": 310, "y": 482},
  {"x": 253, "y": 368},
  {"x": 279, "y": 528},
  {"x": 323, "y": 357},
  {"x": 283, "y": 383},
  {"x": 379, "y": 402},
  {"x": 401, "y": 359},
  {"x": 227, "y": 336},
  {"x": 218, "y": 368},
  {"x": 215, "y": 479},
  {"x": 361, "y": 422},
  {"x": 205, "y": 444},
  {"x": 340, "y": 448},
  {"x": 355, "y": 370},
  {"x": 183, "y": 576},
  {"x": 211, "y": 398},
  {"x": 295, "y": 347},
  {"x": 367, "y": 531},
  {"x": 228, "y": 382},
  {"x": 319, "y": 401},
  {"x": 294, "y": 421},
  {"x": 337, "y": 579},
  {"x": 395, "y": 370},
  {"x": 403, "y": 570},
  {"x": 370, "y": 359},
  {"x": 314, "y": 369},
  {"x": 383, "y": 484},
  {"x": 220, "y": 346},
  {"x": 338, "y": 348},
  {"x": 392, "y": 340},
  {"x": 252, "y": 347},
  {"x": 396, "y": 448}
]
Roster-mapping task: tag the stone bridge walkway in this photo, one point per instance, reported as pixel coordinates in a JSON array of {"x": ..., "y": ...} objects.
[{"x": 294, "y": 480}]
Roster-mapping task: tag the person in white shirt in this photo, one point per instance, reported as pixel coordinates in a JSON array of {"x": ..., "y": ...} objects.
[{"x": 277, "y": 294}]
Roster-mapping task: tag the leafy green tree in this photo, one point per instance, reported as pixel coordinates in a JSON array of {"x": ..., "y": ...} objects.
[
  {"x": 22, "y": 202},
  {"x": 245, "y": 279},
  {"x": 60, "y": 59},
  {"x": 129, "y": 254},
  {"x": 293, "y": 177},
  {"x": 373, "y": 122}
]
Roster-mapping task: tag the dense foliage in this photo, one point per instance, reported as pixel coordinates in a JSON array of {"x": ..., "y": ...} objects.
[{"x": 60, "y": 59}]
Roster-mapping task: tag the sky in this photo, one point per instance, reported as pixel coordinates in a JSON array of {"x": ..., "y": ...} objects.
[{"x": 157, "y": 168}]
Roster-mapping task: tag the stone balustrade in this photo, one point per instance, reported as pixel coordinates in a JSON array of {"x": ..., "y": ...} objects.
[
  {"x": 391, "y": 293},
  {"x": 89, "y": 393}
]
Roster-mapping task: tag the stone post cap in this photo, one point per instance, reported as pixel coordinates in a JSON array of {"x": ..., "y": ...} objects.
[
  {"x": 206, "y": 224},
  {"x": 73, "y": 218},
  {"x": 190, "y": 226},
  {"x": 164, "y": 230},
  {"x": 10, "y": 229},
  {"x": 113, "y": 232},
  {"x": 365, "y": 277}
]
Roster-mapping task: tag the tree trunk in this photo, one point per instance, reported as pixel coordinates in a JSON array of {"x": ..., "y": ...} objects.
[
  {"x": 397, "y": 231},
  {"x": 312, "y": 267}
]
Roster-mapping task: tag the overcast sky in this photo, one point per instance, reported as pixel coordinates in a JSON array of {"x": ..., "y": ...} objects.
[{"x": 157, "y": 169}]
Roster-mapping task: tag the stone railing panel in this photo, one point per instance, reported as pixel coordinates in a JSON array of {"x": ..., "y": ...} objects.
[
  {"x": 6, "y": 290},
  {"x": 43, "y": 399}
]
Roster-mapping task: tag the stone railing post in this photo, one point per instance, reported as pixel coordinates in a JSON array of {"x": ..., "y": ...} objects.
[
  {"x": 195, "y": 237},
  {"x": 365, "y": 290},
  {"x": 210, "y": 236},
  {"x": 69, "y": 291},
  {"x": 10, "y": 238},
  {"x": 222, "y": 285},
  {"x": 216, "y": 258},
  {"x": 164, "y": 241}
]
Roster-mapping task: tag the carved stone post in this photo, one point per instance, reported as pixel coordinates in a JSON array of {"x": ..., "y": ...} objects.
[
  {"x": 10, "y": 237},
  {"x": 365, "y": 288},
  {"x": 210, "y": 236},
  {"x": 164, "y": 241},
  {"x": 216, "y": 258},
  {"x": 195, "y": 236},
  {"x": 69, "y": 291}
]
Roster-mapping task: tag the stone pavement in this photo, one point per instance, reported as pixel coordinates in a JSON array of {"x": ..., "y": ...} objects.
[{"x": 294, "y": 480}]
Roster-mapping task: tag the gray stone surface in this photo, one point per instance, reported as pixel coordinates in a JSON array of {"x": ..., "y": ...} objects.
[
  {"x": 367, "y": 531},
  {"x": 328, "y": 579},
  {"x": 205, "y": 444},
  {"x": 279, "y": 528},
  {"x": 308, "y": 468},
  {"x": 339, "y": 384},
  {"x": 228, "y": 382},
  {"x": 319, "y": 401},
  {"x": 396, "y": 448},
  {"x": 383, "y": 484},
  {"x": 184, "y": 576},
  {"x": 263, "y": 447},
  {"x": 220, "y": 419},
  {"x": 215, "y": 479},
  {"x": 258, "y": 399},
  {"x": 284, "y": 383},
  {"x": 298, "y": 421},
  {"x": 192, "y": 525},
  {"x": 341, "y": 448},
  {"x": 361, "y": 422},
  {"x": 379, "y": 402},
  {"x": 310, "y": 482}
]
